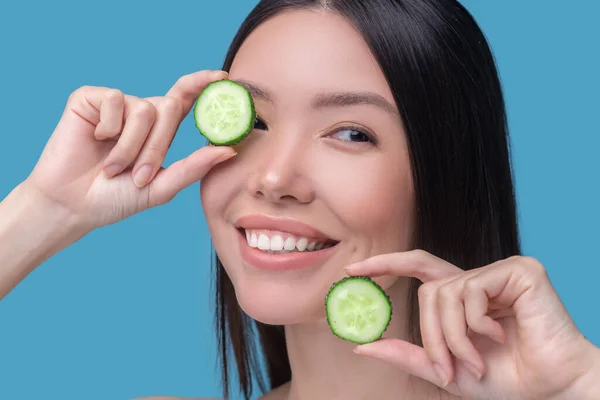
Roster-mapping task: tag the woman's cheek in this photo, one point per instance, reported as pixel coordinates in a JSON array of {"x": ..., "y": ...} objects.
[
  {"x": 369, "y": 194},
  {"x": 375, "y": 203},
  {"x": 216, "y": 191}
]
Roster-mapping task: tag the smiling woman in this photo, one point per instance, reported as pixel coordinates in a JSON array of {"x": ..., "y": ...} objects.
[
  {"x": 329, "y": 142},
  {"x": 367, "y": 118},
  {"x": 380, "y": 149}
]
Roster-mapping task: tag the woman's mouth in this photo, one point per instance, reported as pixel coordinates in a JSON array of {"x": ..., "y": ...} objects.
[
  {"x": 279, "y": 245},
  {"x": 274, "y": 242}
]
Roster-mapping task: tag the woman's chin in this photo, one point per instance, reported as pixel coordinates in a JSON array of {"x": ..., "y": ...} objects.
[{"x": 280, "y": 306}]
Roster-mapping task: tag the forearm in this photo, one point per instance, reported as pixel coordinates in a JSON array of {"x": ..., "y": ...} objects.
[{"x": 31, "y": 231}]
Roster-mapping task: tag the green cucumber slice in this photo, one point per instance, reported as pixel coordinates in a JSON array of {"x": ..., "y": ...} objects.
[
  {"x": 358, "y": 309},
  {"x": 224, "y": 112}
]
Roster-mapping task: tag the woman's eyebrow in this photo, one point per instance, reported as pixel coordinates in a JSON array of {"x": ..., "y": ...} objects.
[
  {"x": 345, "y": 99},
  {"x": 333, "y": 99},
  {"x": 255, "y": 91}
]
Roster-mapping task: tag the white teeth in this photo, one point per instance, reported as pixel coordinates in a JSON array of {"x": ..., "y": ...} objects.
[
  {"x": 276, "y": 243},
  {"x": 301, "y": 244},
  {"x": 264, "y": 243},
  {"x": 289, "y": 244}
]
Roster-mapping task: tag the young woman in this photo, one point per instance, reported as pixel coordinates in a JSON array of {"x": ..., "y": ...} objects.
[{"x": 380, "y": 149}]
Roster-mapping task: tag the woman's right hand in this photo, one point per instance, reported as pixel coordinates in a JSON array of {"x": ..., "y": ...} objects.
[{"x": 103, "y": 162}]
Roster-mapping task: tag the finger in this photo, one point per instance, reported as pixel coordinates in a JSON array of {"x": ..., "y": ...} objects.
[
  {"x": 416, "y": 263},
  {"x": 477, "y": 310},
  {"x": 183, "y": 173},
  {"x": 159, "y": 140},
  {"x": 187, "y": 88},
  {"x": 111, "y": 115},
  {"x": 86, "y": 102},
  {"x": 522, "y": 285},
  {"x": 406, "y": 356},
  {"x": 432, "y": 334},
  {"x": 502, "y": 313},
  {"x": 139, "y": 118},
  {"x": 454, "y": 327}
]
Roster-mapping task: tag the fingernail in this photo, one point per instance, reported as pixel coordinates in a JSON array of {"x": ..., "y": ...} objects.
[
  {"x": 142, "y": 176},
  {"x": 224, "y": 157},
  {"x": 112, "y": 170},
  {"x": 218, "y": 74},
  {"x": 500, "y": 338},
  {"x": 473, "y": 370},
  {"x": 352, "y": 268},
  {"x": 441, "y": 373}
]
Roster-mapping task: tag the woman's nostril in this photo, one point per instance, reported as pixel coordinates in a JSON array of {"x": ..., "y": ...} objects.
[
  {"x": 287, "y": 198},
  {"x": 282, "y": 192}
]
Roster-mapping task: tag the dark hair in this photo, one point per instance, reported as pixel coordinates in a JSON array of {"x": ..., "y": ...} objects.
[{"x": 443, "y": 77}]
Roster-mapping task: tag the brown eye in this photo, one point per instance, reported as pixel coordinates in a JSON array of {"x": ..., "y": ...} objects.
[
  {"x": 260, "y": 125},
  {"x": 352, "y": 135}
]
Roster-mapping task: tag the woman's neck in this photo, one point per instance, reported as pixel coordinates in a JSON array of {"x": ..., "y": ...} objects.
[{"x": 325, "y": 367}]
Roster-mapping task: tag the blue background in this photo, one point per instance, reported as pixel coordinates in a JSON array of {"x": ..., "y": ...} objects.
[{"x": 127, "y": 311}]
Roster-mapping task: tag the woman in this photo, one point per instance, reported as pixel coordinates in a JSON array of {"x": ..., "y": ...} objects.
[{"x": 380, "y": 149}]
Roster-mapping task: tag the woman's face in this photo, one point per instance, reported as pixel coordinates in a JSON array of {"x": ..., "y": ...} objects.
[{"x": 327, "y": 165}]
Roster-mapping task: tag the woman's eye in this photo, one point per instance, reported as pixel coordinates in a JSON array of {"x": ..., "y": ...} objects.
[
  {"x": 260, "y": 125},
  {"x": 352, "y": 135}
]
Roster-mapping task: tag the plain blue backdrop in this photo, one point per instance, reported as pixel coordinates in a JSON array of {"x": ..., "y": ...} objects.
[{"x": 127, "y": 311}]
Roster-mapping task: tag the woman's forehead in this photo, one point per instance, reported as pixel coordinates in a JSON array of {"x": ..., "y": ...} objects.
[{"x": 309, "y": 51}]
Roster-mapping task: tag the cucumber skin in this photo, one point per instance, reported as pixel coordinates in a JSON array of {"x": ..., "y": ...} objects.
[
  {"x": 373, "y": 283},
  {"x": 243, "y": 136}
]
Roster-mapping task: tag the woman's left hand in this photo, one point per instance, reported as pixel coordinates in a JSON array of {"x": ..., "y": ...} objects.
[{"x": 497, "y": 332}]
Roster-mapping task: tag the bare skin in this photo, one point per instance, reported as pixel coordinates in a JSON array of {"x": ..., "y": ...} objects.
[
  {"x": 311, "y": 163},
  {"x": 75, "y": 188},
  {"x": 499, "y": 332}
]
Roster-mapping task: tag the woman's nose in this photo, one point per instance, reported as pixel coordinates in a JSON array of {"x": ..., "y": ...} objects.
[{"x": 280, "y": 175}]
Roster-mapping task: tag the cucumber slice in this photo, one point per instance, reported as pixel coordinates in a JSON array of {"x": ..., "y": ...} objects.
[
  {"x": 224, "y": 112},
  {"x": 358, "y": 310}
]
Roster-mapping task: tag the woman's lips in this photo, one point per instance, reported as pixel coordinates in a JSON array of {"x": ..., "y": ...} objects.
[
  {"x": 281, "y": 262},
  {"x": 259, "y": 221}
]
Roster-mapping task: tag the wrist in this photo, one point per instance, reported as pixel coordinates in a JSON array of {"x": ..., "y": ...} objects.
[
  {"x": 587, "y": 385},
  {"x": 50, "y": 224},
  {"x": 32, "y": 229}
]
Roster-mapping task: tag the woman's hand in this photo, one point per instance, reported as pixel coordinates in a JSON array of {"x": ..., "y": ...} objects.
[
  {"x": 497, "y": 332},
  {"x": 103, "y": 162}
]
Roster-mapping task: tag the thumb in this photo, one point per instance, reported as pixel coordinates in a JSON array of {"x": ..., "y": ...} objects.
[
  {"x": 181, "y": 174},
  {"x": 407, "y": 357}
]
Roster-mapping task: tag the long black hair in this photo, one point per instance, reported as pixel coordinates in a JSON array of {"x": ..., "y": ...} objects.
[{"x": 444, "y": 80}]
